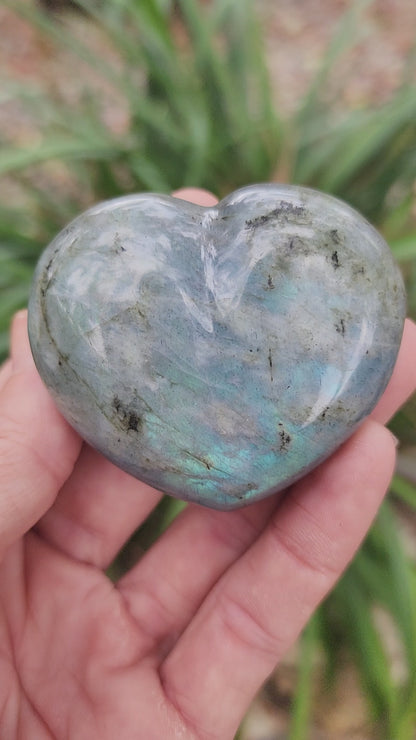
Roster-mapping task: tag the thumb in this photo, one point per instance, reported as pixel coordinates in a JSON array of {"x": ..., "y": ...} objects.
[{"x": 38, "y": 449}]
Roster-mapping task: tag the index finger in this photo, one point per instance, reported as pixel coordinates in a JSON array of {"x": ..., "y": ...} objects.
[{"x": 38, "y": 449}]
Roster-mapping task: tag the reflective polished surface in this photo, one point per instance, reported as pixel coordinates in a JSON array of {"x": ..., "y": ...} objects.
[{"x": 217, "y": 353}]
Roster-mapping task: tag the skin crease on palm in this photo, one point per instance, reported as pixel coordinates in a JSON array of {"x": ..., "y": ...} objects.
[{"x": 179, "y": 646}]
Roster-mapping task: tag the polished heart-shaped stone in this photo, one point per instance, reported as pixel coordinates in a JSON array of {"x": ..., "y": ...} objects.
[{"x": 218, "y": 353}]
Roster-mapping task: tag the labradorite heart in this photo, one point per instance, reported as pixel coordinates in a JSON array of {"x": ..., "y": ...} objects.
[{"x": 217, "y": 353}]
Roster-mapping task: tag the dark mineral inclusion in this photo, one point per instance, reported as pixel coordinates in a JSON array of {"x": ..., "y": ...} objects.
[{"x": 217, "y": 353}]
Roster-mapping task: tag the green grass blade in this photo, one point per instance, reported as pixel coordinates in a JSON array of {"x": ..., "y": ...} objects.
[
  {"x": 370, "y": 141},
  {"x": 345, "y": 36},
  {"x": 402, "y": 593},
  {"x": 302, "y": 702},
  {"x": 363, "y": 640},
  {"x": 404, "y": 490},
  {"x": 404, "y": 423},
  {"x": 59, "y": 148},
  {"x": 405, "y": 247}
]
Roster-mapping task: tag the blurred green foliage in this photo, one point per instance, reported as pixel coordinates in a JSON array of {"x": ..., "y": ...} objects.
[{"x": 193, "y": 85}]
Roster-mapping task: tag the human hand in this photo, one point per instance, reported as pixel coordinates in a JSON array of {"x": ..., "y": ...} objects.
[{"x": 179, "y": 646}]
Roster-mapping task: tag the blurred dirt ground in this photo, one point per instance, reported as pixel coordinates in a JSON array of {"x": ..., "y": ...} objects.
[{"x": 297, "y": 32}]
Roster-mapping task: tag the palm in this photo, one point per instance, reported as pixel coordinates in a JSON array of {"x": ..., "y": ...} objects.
[
  {"x": 72, "y": 653},
  {"x": 61, "y": 630}
]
